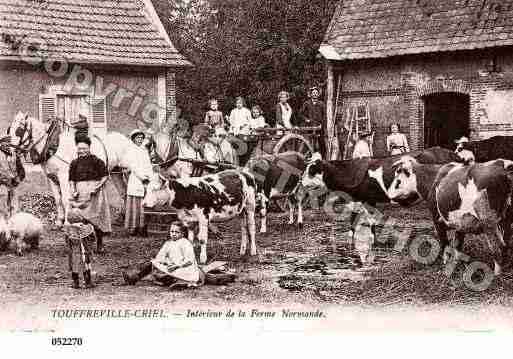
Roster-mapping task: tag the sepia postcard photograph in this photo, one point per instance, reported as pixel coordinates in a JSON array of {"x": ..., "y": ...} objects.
[{"x": 196, "y": 173}]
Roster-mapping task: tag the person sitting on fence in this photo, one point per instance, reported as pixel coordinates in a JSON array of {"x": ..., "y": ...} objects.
[
  {"x": 214, "y": 117},
  {"x": 257, "y": 120},
  {"x": 240, "y": 118},
  {"x": 283, "y": 111},
  {"x": 174, "y": 265},
  {"x": 361, "y": 147}
]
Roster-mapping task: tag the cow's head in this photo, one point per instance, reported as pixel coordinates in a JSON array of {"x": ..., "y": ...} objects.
[
  {"x": 404, "y": 188},
  {"x": 313, "y": 177},
  {"x": 158, "y": 192}
]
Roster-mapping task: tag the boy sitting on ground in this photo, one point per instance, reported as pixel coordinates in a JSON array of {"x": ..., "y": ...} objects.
[{"x": 175, "y": 263}]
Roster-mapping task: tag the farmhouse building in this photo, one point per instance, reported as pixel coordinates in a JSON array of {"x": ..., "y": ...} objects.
[
  {"x": 440, "y": 68},
  {"x": 109, "y": 61}
]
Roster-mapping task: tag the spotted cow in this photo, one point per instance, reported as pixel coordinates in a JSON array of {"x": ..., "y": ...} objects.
[
  {"x": 467, "y": 199},
  {"x": 364, "y": 180},
  {"x": 216, "y": 197},
  {"x": 279, "y": 176}
]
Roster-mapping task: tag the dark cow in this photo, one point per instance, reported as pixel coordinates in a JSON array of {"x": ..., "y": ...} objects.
[
  {"x": 467, "y": 199},
  {"x": 217, "y": 197},
  {"x": 491, "y": 148},
  {"x": 279, "y": 176},
  {"x": 366, "y": 179}
]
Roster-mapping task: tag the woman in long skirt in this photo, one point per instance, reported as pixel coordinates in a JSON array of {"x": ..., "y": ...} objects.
[{"x": 134, "y": 218}]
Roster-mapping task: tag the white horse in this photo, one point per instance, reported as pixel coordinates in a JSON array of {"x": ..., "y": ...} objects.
[{"x": 54, "y": 150}]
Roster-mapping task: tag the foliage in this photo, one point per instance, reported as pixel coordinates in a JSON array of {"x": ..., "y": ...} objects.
[{"x": 245, "y": 48}]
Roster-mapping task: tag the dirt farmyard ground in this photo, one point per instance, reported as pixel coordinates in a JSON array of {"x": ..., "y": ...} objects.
[{"x": 312, "y": 267}]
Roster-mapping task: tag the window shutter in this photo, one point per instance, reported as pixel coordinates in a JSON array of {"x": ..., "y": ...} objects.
[
  {"x": 99, "y": 115},
  {"x": 47, "y": 108}
]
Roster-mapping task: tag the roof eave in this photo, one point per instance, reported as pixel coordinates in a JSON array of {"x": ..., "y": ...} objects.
[{"x": 180, "y": 63}]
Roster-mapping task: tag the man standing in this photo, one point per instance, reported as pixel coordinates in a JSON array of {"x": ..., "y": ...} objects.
[{"x": 314, "y": 114}]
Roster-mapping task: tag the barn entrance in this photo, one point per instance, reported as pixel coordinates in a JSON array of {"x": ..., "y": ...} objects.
[{"x": 446, "y": 118}]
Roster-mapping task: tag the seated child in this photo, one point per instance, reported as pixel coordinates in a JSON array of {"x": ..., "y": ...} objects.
[
  {"x": 240, "y": 118},
  {"x": 175, "y": 263},
  {"x": 257, "y": 120}
]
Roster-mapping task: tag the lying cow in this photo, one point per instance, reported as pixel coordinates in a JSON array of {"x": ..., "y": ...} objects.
[
  {"x": 217, "y": 197},
  {"x": 467, "y": 199},
  {"x": 279, "y": 176}
]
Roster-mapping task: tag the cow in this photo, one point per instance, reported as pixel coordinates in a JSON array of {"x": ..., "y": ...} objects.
[
  {"x": 216, "y": 197},
  {"x": 279, "y": 176},
  {"x": 488, "y": 149},
  {"x": 464, "y": 198},
  {"x": 364, "y": 180}
]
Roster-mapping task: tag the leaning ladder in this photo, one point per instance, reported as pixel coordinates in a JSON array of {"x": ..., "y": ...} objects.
[{"x": 359, "y": 121}]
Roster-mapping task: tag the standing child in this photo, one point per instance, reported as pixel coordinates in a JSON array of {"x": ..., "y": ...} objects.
[
  {"x": 257, "y": 120},
  {"x": 214, "y": 117},
  {"x": 240, "y": 118},
  {"x": 79, "y": 238}
]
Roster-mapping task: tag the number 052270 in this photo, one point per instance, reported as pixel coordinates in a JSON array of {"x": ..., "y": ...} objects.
[{"x": 66, "y": 341}]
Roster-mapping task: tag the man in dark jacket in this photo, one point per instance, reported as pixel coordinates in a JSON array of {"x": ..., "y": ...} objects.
[{"x": 313, "y": 113}]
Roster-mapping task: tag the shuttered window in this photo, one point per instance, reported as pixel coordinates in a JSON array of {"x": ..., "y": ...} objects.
[
  {"x": 99, "y": 115},
  {"x": 47, "y": 107}
]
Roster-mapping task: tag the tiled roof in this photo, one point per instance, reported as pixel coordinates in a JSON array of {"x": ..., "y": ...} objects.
[
  {"x": 381, "y": 28},
  {"x": 86, "y": 31}
]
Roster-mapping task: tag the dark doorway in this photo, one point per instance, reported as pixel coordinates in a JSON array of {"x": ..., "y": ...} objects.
[{"x": 446, "y": 118}]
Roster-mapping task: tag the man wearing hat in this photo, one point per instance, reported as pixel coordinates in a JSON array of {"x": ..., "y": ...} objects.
[
  {"x": 134, "y": 217},
  {"x": 313, "y": 113},
  {"x": 466, "y": 155}
]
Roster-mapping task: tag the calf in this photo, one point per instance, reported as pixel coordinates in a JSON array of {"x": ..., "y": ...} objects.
[
  {"x": 468, "y": 199},
  {"x": 216, "y": 197},
  {"x": 279, "y": 176}
]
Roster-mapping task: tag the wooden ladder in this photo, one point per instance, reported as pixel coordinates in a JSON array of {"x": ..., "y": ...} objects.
[{"x": 359, "y": 122}]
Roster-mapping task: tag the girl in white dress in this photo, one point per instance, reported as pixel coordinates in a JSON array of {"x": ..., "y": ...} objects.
[
  {"x": 257, "y": 120},
  {"x": 240, "y": 118},
  {"x": 396, "y": 141}
]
